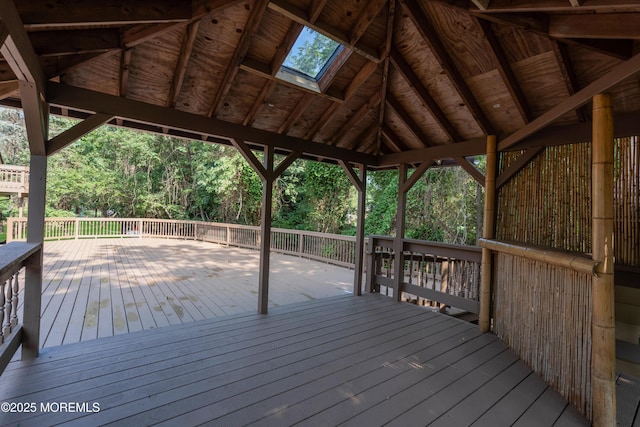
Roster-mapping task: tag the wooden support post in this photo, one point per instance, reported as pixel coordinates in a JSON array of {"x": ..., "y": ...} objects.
[
  {"x": 33, "y": 273},
  {"x": 398, "y": 247},
  {"x": 484, "y": 321},
  {"x": 265, "y": 232},
  {"x": 603, "y": 359},
  {"x": 360, "y": 182}
]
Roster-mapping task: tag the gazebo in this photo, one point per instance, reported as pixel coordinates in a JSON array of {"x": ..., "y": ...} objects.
[{"x": 547, "y": 90}]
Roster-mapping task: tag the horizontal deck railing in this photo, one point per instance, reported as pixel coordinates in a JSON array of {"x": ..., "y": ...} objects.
[
  {"x": 432, "y": 272},
  {"x": 330, "y": 248},
  {"x": 13, "y": 258}
]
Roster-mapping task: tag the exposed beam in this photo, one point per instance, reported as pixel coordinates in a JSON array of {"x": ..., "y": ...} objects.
[
  {"x": 334, "y": 67},
  {"x": 539, "y": 24},
  {"x": 72, "y": 42},
  {"x": 285, "y": 163},
  {"x": 568, "y": 75},
  {"x": 322, "y": 121},
  {"x": 614, "y": 76},
  {"x": 76, "y": 132},
  {"x": 353, "y": 177},
  {"x": 515, "y": 167},
  {"x": 17, "y": 49},
  {"x": 426, "y": 29},
  {"x": 301, "y": 16},
  {"x": 416, "y": 175},
  {"x": 385, "y": 71},
  {"x": 358, "y": 80},
  {"x": 595, "y": 26},
  {"x": 285, "y": 46},
  {"x": 199, "y": 9},
  {"x": 365, "y": 19},
  {"x": 506, "y": 72},
  {"x": 294, "y": 115},
  {"x": 253, "y": 22},
  {"x": 474, "y": 147},
  {"x": 502, "y": 6},
  {"x": 408, "y": 120},
  {"x": 183, "y": 60},
  {"x": 87, "y": 100},
  {"x": 125, "y": 61},
  {"x": 393, "y": 141},
  {"x": 251, "y": 158},
  {"x": 471, "y": 169},
  {"x": 481, "y": 4},
  {"x": 259, "y": 103},
  {"x": 356, "y": 117},
  {"x": 405, "y": 70},
  {"x": 43, "y": 13}
]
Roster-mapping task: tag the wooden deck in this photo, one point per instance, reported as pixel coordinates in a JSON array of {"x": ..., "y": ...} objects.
[
  {"x": 97, "y": 288},
  {"x": 360, "y": 361}
]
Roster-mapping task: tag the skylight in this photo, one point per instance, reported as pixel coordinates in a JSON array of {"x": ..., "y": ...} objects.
[{"x": 310, "y": 55}]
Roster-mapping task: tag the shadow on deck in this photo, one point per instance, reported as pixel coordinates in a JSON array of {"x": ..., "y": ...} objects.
[{"x": 360, "y": 361}]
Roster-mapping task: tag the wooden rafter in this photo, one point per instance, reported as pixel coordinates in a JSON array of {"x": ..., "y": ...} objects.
[
  {"x": 473, "y": 147},
  {"x": 73, "y": 42},
  {"x": 250, "y": 29},
  {"x": 356, "y": 117},
  {"x": 259, "y": 103},
  {"x": 481, "y": 4},
  {"x": 324, "y": 119},
  {"x": 505, "y": 70},
  {"x": 334, "y": 67},
  {"x": 294, "y": 115},
  {"x": 385, "y": 70},
  {"x": 568, "y": 75},
  {"x": 408, "y": 120},
  {"x": 183, "y": 60},
  {"x": 299, "y": 15},
  {"x": 510, "y": 6},
  {"x": 576, "y": 3},
  {"x": 358, "y": 143},
  {"x": 426, "y": 29},
  {"x": 125, "y": 62},
  {"x": 140, "y": 112},
  {"x": 366, "y": 17},
  {"x": 595, "y": 26},
  {"x": 391, "y": 139},
  {"x": 407, "y": 73},
  {"x": 614, "y": 76}
]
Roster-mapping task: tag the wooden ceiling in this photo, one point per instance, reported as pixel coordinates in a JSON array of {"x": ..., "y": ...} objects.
[{"x": 418, "y": 80}]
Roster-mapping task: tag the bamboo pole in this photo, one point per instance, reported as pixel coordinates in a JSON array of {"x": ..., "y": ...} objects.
[
  {"x": 603, "y": 322},
  {"x": 488, "y": 232}
]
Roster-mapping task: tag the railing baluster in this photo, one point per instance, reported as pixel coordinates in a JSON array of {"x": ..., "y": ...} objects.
[{"x": 3, "y": 335}]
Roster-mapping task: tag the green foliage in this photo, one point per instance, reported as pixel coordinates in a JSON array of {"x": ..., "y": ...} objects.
[
  {"x": 313, "y": 54},
  {"x": 138, "y": 174}
]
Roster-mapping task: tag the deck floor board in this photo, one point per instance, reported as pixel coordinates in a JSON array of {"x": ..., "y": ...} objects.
[{"x": 328, "y": 361}]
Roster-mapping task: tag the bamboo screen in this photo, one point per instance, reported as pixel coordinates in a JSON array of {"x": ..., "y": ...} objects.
[
  {"x": 548, "y": 203},
  {"x": 544, "y": 314}
]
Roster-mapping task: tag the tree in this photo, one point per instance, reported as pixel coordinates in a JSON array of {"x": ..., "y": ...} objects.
[{"x": 313, "y": 54}]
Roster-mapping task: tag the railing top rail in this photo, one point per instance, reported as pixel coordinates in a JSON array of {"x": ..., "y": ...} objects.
[
  {"x": 14, "y": 168},
  {"x": 12, "y": 255}
]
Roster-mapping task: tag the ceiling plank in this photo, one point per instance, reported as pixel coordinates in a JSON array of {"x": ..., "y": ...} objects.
[
  {"x": 87, "y": 100},
  {"x": 76, "y": 132},
  {"x": 595, "y": 26},
  {"x": 568, "y": 75},
  {"x": 614, "y": 76},
  {"x": 393, "y": 139},
  {"x": 405, "y": 70},
  {"x": 426, "y": 29},
  {"x": 324, "y": 119},
  {"x": 183, "y": 60},
  {"x": 365, "y": 19},
  {"x": 299, "y": 15},
  {"x": 408, "y": 120},
  {"x": 259, "y": 8},
  {"x": 474, "y": 147},
  {"x": 358, "y": 80},
  {"x": 359, "y": 142},
  {"x": 505, "y": 70},
  {"x": 251, "y": 116}
]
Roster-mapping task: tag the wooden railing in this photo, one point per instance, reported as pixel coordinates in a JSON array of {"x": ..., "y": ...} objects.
[
  {"x": 13, "y": 258},
  {"x": 432, "y": 272},
  {"x": 330, "y": 248},
  {"x": 14, "y": 179}
]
